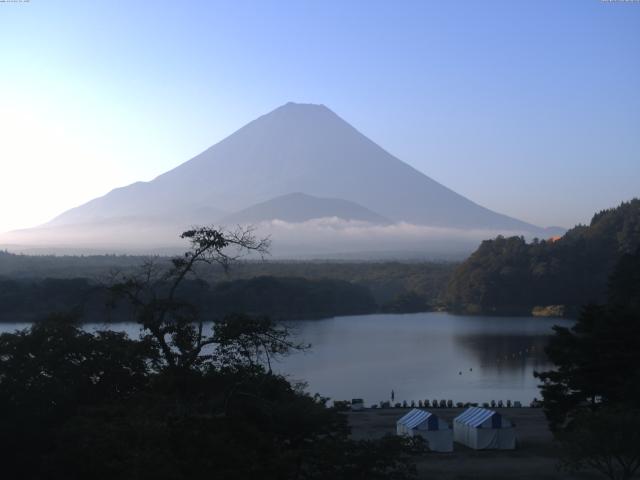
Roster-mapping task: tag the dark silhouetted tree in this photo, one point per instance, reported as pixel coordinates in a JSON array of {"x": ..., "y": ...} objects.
[
  {"x": 592, "y": 397},
  {"x": 606, "y": 440},
  {"x": 179, "y": 403}
]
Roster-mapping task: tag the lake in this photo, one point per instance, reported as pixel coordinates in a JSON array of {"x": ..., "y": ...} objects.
[{"x": 418, "y": 356}]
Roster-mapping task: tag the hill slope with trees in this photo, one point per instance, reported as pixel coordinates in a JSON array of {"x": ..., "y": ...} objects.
[{"x": 511, "y": 276}]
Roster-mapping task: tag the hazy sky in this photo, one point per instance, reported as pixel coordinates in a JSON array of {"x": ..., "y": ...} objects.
[{"x": 529, "y": 108}]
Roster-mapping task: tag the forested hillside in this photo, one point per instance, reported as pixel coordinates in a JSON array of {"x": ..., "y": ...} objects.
[
  {"x": 511, "y": 276},
  {"x": 394, "y": 286}
]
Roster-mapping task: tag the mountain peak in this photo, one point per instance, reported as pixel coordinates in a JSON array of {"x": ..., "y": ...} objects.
[
  {"x": 298, "y": 110},
  {"x": 307, "y": 106}
]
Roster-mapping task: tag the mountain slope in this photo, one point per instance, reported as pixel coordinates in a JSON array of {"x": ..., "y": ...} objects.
[
  {"x": 296, "y": 148},
  {"x": 299, "y": 207}
]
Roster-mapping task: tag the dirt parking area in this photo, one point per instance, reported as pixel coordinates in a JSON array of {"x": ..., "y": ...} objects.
[{"x": 534, "y": 459}]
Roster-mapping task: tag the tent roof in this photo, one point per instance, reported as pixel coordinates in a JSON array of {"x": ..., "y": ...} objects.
[
  {"x": 414, "y": 418},
  {"x": 475, "y": 416}
]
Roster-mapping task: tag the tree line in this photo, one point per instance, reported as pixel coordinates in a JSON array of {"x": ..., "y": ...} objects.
[
  {"x": 279, "y": 298},
  {"x": 399, "y": 287}
]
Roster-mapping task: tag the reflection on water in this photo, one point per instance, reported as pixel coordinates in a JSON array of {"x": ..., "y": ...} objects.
[
  {"x": 419, "y": 356},
  {"x": 508, "y": 352},
  {"x": 423, "y": 356}
]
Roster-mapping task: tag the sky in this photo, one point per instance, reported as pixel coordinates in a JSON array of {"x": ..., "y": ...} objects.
[{"x": 530, "y": 108}]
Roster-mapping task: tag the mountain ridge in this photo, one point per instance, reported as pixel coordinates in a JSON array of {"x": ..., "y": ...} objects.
[{"x": 299, "y": 207}]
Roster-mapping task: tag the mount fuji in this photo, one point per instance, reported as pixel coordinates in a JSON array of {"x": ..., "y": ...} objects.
[{"x": 296, "y": 164}]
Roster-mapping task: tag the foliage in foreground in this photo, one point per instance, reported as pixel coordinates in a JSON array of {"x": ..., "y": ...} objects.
[
  {"x": 605, "y": 440},
  {"x": 592, "y": 397},
  {"x": 180, "y": 402}
]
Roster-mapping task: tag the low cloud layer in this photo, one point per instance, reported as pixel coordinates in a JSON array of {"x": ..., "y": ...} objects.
[
  {"x": 334, "y": 235},
  {"x": 322, "y": 237}
]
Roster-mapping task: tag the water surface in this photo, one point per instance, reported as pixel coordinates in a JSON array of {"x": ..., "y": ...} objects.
[
  {"x": 418, "y": 356},
  {"x": 423, "y": 356}
]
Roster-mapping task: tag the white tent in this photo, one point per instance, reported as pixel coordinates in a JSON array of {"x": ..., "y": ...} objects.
[
  {"x": 435, "y": 432},
  {"x": 482, "y": 429}
]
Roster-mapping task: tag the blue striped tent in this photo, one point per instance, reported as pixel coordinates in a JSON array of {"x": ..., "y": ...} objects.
[
  {"x": 432, "y": 429},
  {"x": 481, "y": 428}
]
